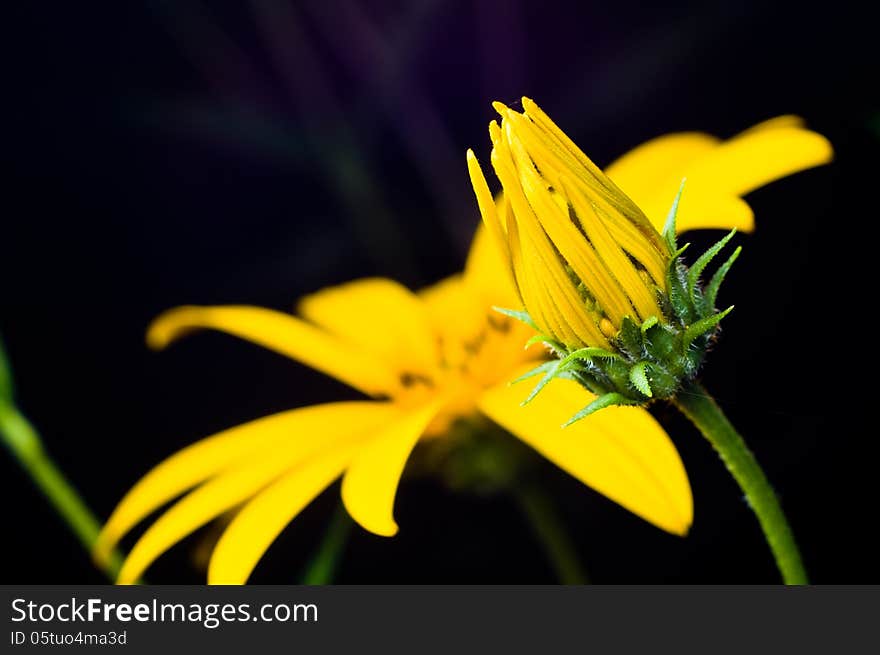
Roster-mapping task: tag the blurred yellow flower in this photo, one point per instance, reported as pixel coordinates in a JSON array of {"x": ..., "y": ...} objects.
[{"x": 426, "y": 359}]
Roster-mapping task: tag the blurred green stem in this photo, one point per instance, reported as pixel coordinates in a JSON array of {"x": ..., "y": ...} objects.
[
  {"x": 550, "y": 531},
  {"x": 322, "y": 567},
  {"x": 24, "y": 443}
]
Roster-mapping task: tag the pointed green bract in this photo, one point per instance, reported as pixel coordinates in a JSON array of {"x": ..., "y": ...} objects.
[
  {"x": 630, "y": 338},
  {"x": 678, "y": 253},
  {"x": 522, "y": 317},
  {"x": 676, "y": 283},
  {"x": 711, "y": 292},
  {"x": 601, "y": 402},
  {"x": 588, "y": 354},
  {"x": 538, "y": 338},
  {"x": 542, "y": 368},
  {"x": 553, "y": 345},
  {"x": 700, "y": 265},
  {"x": 704, "y": 325},
  {"x": 543, "y": 382},
  {"x": 669, "y": 230}
]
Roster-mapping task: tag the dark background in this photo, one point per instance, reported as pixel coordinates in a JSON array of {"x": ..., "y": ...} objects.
[{"x": 178, "y": 152}]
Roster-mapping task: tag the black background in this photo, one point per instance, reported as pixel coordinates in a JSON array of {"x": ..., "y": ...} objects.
[{"x": 166, "y": 153}]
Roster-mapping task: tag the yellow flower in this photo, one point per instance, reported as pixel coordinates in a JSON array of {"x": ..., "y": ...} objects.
[
  {"x": 426, "y": 359},
  {"x": 584, "y": 255}
]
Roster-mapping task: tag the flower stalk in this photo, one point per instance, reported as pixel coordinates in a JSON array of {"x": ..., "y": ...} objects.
[
  {"x": 550, "y": 531},
  {"x": 23, "y": 441},
  {"x": 702, "y": 410},
  {"x": 322, "y": 567}
]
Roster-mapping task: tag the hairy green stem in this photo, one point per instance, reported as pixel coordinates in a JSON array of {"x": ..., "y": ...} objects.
[
  {"x": 702, "y": 410},
  {"x": 322, "y": 567},
  {"x": 551, "y": 533}
]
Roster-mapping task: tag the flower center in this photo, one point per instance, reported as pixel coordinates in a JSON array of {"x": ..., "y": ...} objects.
[{"x": 471, "y": 358}]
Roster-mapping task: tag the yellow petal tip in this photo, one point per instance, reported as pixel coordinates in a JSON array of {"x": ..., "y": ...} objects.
[
  {"x": 372, "y": 521},
  {"x": 126, "y": 578},
  {"x": 682, "y": 520},
  {"x": 167, "y": 327},
  {"x": 677, "y": 520},
  {"x": 500, "y": 107},
  {"x": 682, "y": 527},
  {"x": 828, "y": 155},
  {"x": 494, "y": 132},
  {"x": 386, "y": 530},
  {"x": 103, "y": 547}
]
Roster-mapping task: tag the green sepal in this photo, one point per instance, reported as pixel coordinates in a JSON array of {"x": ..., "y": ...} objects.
[
  {"x": 606, "y": 400},
  {"x": 522, "y": 317},
  {"x": 541, "y": 368},
  {"x": 557, "y": 348},
  {"x": 660, "y": 342},
  {"x": 676, "y": 282},
  {"x": 648, "y": 323},
  {"x": 588, "y": 354},
  {"x": 678, "y": 253},
  {"x": 664, "y": 384},
  {"x": 543, "y": 382},
  {"x": 669, "y": 226},
  {"x": 638, "y": 375},
  {"x": 703, "y": 325},
  {"x": 571, "y": 374},
  {"x": 700, "y": 265},
  {"x": 630, "y": 337},
  {"x": 711, "y": 292}
]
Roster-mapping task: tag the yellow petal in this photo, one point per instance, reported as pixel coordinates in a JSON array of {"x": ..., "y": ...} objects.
[
  {"x": 621, "y": 452},
  {"x": 491, "y": 220},
  {"x": 604, "y": 190},
  {"x": 709, "y": 211},
  {"x": 453, "y": 297},
  {"x": 553, "y": 214},
  {"x": 370, "y": 483},
  {"x": 717, "y": 173},
  {"x": 488, "y": 273},
  {"x": 378, "y": 316},
  {"x": 548, "y": 292},
  {"x": 652, "y": 164},
  {"x": 756, "y": 158},
  {"x": 613, "y": 257},
  {"x": 479, "y": 341},
  {"x": 535, "y": 138},
  {"x": 291, "y": 432},
  {"x": 262, "y": 519},
  {"x": 196, "y": 509},
  {"x": 449, "y": 297},
  {"x": 283, "y": 334},
  {"x": 338, "y": 425},
  {"x": 701, "y": 209},
  {"x": 786, "y": 120}
]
